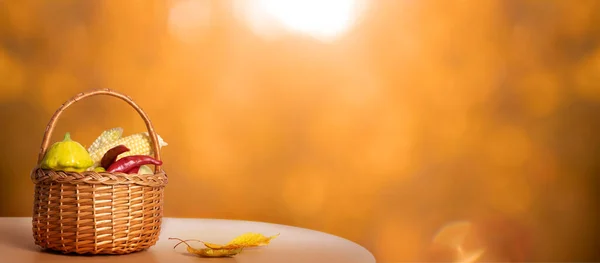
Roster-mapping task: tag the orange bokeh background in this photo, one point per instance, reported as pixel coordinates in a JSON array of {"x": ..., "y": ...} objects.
[{"x": 419, "y": 114}]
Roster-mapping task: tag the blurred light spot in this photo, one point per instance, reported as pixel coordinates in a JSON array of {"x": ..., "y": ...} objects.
[
  {"x": 544, "y": 166},
  {"x": 304, "y": 194},
  {"x": 509, "y": 146},
  {"x": 188, "y": 18},
  {"x": 12, "y": 74},
  {"x": 453, "y": 234},
  {"x": 344, "y": 204},
  {"x": 21, "y": 16},
  {"x": 439, "y": 253},
  {"x": 324, "y": 20},
  {"x": 587, "y": 77},
  {"x": 576, "y": 18},
  {"x": 506, "y": 238},
  {"x": 541, "y": 93},
  {"x": 210, "y": 150},
  {"x": 387, "y": 152},
  {"x": 450, "y": 130},
  {"x": 361, "y": 87},
  {"x": 470, "y": 257},
  {"x": 56, "y": 87},
  {"x": 398, "y": 239},
  {"x": 510, "y": 194}
]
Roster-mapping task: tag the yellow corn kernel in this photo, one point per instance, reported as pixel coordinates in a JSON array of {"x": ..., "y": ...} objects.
[{"x": 106, "y": 137}]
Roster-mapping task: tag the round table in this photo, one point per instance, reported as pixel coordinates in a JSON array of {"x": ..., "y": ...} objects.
[{"x": 292, "y": 245}]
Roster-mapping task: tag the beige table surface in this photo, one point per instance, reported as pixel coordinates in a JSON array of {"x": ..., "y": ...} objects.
[{"x": 292, "y": 245}]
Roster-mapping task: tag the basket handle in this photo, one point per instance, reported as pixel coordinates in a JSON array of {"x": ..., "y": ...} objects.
[{"x": 83, "y": 95}]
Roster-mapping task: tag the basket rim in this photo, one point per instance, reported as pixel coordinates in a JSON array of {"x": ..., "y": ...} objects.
[{"x": 44, "y": 176}]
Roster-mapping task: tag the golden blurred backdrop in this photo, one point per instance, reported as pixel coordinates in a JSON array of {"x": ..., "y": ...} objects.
[{"x": 377, "y": 121}]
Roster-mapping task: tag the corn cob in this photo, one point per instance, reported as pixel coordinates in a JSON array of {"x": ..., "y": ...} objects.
[
  {"x": 138, "y": 144},
  {"x": 106, "y": 137}
]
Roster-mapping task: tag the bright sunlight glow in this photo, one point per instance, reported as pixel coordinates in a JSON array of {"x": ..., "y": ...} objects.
[
  {"x": 187, "y": 18},
  {"x": 322, "y": 19}
]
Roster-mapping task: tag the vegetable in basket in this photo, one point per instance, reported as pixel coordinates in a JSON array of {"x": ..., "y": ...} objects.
[
  {"x": 107, "y": 137},
  {"x": 111, "y": 155},
  {"x": 67, "y": 155},
  {"x": 139, "y": 144},
  {"x": 125, "y": 164},
  {"x": 144, "y": 169}
]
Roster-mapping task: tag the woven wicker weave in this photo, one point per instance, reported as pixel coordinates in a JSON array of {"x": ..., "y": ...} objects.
[{"x": 97, "y": 212}]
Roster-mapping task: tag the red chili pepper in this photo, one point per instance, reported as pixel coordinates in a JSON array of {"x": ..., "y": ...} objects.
[
  {"x": 127, "y": 163},
  {"x": 111, "y": 155},
  {"x": 134, "y": 170}
]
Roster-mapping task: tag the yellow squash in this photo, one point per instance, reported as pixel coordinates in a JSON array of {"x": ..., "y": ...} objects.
[{"x": 67, "y": 155}]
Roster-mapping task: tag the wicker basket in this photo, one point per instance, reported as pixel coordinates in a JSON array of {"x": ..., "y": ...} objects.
[{"x": 97, "y": 212}]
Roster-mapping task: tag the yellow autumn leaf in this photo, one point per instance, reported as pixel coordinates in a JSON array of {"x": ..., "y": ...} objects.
[
  {"x": 208, "y": 252},
  {"x": 232, "y": 248},
  {"x": 244, "y": 240}
]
